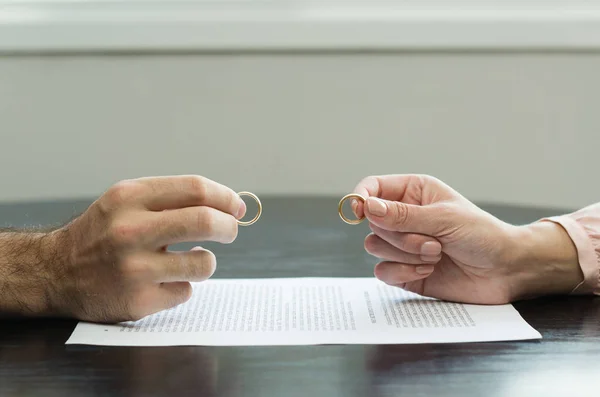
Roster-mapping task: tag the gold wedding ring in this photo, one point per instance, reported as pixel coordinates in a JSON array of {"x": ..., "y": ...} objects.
[
  {"x": 250, "y": 222},
  {"x": 341, "y": 212}
]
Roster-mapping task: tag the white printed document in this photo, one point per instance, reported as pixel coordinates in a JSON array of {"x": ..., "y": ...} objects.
[{"x": 309, "y": 311}]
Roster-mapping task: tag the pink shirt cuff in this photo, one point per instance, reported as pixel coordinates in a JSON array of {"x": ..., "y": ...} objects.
[{"x": 583, "y": 227}]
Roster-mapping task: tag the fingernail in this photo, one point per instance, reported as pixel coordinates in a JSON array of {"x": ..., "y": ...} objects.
[
  {"x": 431, "y": 248},
  {"x": 376, "y": 206},
  {"x": 242, "y": 210},
  {"x": 424, "y": 269}
]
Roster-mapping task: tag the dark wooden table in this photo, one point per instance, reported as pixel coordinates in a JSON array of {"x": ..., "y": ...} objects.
[{"x": 304, "y": 237}]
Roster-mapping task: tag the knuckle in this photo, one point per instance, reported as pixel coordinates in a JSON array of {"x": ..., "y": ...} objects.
[
  {"x": 213, "y": 226},
  {"x": 123, "y": 233},
  {"x": 206, "y": 221},
  {"x": 368, "y": 181},
  {"x": 121, "y": 192},
  {"x": 198, "y": 187},
  {"x": 401, "y": 215},
  {"x": 133, "y": 268},
  {"x": 405, "y": 269},
  {"x": 423, "y": 177},
  {"x": 411, "y": 243},
  {"x": 420, "y": 180}
]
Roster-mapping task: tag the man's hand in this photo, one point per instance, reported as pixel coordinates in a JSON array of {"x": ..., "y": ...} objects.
[
  {"x": 436, "y": 243},
  {"x": 112, "y": 264}
]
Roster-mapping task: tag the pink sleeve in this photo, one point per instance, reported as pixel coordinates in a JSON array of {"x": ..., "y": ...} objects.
[{"x": 583, "y": 227}]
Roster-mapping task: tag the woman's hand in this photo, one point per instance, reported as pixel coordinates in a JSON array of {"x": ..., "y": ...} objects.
[{"x": 435, "y": 242}]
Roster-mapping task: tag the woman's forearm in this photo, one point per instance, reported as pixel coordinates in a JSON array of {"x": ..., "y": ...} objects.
[
  {"x": 561, "y": 254},
  {"x": 546, "y": 261}
]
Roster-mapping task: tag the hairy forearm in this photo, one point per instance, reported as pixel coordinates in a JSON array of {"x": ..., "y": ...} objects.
[{"x": 25, "y": 260}]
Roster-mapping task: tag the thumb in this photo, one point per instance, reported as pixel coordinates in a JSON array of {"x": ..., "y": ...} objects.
[{"x": 407, "y": 218}]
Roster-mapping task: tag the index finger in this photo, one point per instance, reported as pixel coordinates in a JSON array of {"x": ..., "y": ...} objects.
[
  {"x": 407, "y": 188},
  {"x": 388, "y": 187},
  {"x": 174, "y": 192}
]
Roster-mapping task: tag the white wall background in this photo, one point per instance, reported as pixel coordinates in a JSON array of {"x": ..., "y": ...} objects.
[{"x": 508, "y": 126}]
